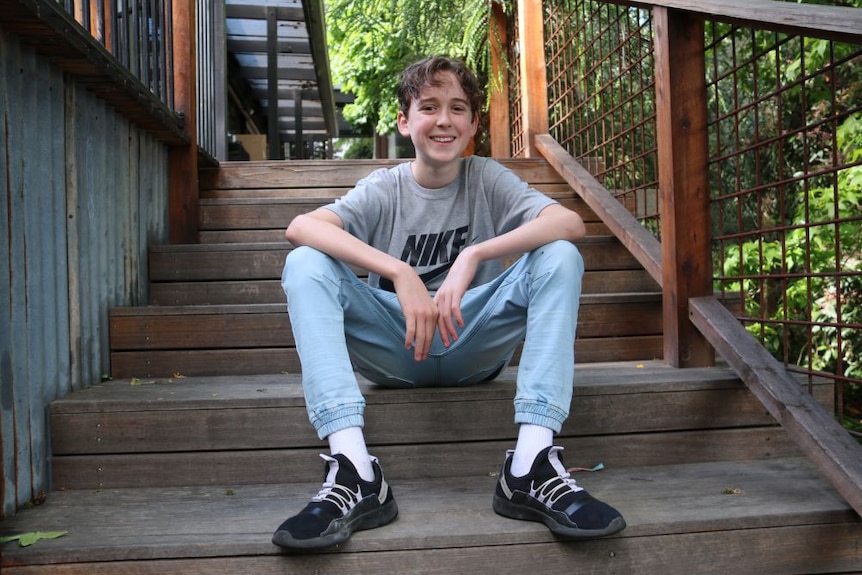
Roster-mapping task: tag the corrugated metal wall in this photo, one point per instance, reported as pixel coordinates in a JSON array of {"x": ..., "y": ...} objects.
[{"x": 82, "y": 194}]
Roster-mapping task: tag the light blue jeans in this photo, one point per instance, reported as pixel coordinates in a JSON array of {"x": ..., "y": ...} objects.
[{"x": 341, "y": 324}]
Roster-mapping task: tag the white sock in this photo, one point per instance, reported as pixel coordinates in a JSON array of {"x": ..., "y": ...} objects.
[
  {"x": 531, "y": 440},
  {"x": 350, "y": 442}
]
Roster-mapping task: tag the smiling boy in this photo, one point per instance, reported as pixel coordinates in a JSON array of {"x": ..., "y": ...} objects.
[{"x": 438, "y": 309}]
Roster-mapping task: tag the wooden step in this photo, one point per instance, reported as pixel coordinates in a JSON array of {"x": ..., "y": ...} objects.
[
  {"x": 216, "y": 430},
  {"x": 256, "y": 291},
  {"x": 277, "y": 213},
  {"x": 159, "y": 341},
  {"x": 252, "y": 177},
  {"x": 212, "y": 274},
  {"x": 255, "y": 201},
  {"x": 206, "y": 262},
  {"x": 744, "y": 517}
]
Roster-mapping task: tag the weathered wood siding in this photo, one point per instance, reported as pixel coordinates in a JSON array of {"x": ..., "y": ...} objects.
[{"x": 82, "y": 194}]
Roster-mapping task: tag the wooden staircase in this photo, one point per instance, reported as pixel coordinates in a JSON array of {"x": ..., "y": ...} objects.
[{"x": 200, "y": 446}]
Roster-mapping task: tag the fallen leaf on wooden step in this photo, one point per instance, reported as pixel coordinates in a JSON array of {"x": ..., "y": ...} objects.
[
  {"x": 27, "y": 539},
  {"x": 733, "y": 491}
]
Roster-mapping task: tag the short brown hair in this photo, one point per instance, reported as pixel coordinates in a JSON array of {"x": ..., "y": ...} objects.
[{"x": 424, "y": 73}]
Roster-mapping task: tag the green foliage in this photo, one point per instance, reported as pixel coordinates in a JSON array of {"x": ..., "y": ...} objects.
[
  {"x": 818, "y": 261},
  {"x": 372, "y": 41},
  {"x": 791, "y": 215}
]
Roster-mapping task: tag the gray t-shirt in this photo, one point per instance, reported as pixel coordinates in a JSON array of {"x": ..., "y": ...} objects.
[{"x": 428, "y": 228}]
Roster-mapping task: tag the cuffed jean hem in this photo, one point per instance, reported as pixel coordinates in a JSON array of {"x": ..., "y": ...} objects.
[
  {"x": 535, "y": 413},
  {"x": 328, "y": 422}
]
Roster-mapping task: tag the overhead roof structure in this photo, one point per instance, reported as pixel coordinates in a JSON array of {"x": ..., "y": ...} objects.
[{"x": 280, "y": 47}]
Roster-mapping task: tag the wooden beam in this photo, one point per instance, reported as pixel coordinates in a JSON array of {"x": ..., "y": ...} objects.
[
  {"x": 534, "y": 81},
  {"x": 681, "y": 121},
  {"x": 839, "y": 23},
  {"x": 315, "y": 23},
  {"x": 498, "y": 84},
  {"x": 818, "y": 434},
  {"x": 183, "y": 160},
  {"x": 645, "y": 248},
  {"x": 273, "y": 138}
]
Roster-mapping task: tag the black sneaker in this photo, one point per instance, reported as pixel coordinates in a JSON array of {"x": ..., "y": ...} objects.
[
  {"x": 549, "y": 494},
  {"x": 346, "y": 503}
]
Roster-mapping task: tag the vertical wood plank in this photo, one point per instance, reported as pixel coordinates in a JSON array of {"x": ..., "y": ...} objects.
[
  {"x": 7, "y": 414},
  {"x": 534, "y": 81},
  {"x": 498, "y": 120},
  {"x": 273, "y": 135},
  {"x": 681, "y": 115},
  {"x": 72, "y": 237},
  {"x": 183, "y": 162}
]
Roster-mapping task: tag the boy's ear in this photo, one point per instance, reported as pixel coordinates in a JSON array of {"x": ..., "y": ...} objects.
[{"x": 401, "y": 121}]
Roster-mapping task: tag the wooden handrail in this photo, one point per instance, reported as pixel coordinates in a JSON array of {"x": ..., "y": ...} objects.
[
  {"x": 820, "y": 437},
  {"x": 643, "y": 245},
  {"x": 840, "y": 23}
]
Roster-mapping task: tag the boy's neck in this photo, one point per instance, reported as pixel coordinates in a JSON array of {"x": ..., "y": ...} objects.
[{"x": 435, "y": 177}]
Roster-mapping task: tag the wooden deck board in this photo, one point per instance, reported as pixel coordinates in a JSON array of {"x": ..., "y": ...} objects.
[
  {"x": 283, "y": 389},
  {"x": 145, "y": 524},
  {"x": 427, "y": 460}
]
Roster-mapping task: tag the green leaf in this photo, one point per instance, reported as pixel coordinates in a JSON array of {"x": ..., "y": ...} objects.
[{"x": 27, "y": 539}]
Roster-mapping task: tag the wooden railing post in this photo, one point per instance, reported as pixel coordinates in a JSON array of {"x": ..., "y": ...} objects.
[
  {"x": 183, "y": 160},
  {"x": 681, "y": 116},
  {"x": 499, "y": 121},
  {"x": 534, "y": 80}
]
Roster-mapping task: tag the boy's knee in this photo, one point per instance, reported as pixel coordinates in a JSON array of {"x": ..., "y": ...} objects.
[
  {"x": 301, "y": 264},
  {"x": 562, "y": 256}
]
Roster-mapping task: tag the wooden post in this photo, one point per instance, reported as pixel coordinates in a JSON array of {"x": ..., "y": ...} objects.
[
  {"x": 498, "y": 84},
  {"x": 273, "y": 134},
  {"x": 681, "y": 116},
  {"x": 183, "y": 206},
  {"x": 534, "y": 80}
]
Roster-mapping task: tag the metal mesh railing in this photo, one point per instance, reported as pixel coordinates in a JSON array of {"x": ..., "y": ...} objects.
[
  {"x": 785, "y": 138},
  {"x": 601, "y": 93},
  {"x": 784, "y": 168},
  {"x": 516, "y": 121}
]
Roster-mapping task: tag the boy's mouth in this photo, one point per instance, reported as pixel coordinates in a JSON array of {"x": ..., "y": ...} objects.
[{"x": 443, "y": 139}]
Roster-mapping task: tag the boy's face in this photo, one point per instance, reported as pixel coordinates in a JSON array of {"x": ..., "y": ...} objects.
[{"x": 440, "y": 122}]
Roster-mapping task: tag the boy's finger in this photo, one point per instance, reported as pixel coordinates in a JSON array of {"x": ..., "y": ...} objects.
[
  {"x": 448, "y": 333},
  {"x": 423, "y": 341},
  {"x": 410, "y": 333}
]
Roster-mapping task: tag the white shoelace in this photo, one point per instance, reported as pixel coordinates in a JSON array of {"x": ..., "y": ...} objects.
[
  {"x": 339, "y": 495},
  {"x": 554, "y": 488}
]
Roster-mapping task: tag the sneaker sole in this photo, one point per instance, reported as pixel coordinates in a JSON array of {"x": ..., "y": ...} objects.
[
  {"x": 357, "y": 520},
  {"x": 512, "y": 510}
]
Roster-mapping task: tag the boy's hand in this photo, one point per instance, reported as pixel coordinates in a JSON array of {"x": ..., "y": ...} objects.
[
  {"x": 452, "y": 290},
  {"x": 420, "y": 312}
]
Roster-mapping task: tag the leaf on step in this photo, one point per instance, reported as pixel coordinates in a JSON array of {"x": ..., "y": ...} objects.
[
  {"x": 135, "y": 381},
  {"x": 27, "y": 539},
  {"x": 733, "y": 491}
]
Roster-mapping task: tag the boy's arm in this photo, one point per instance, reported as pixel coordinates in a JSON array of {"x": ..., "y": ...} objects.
[
  {"x": 323, "y": 230},
  {"x": 555, "y": 222}
]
